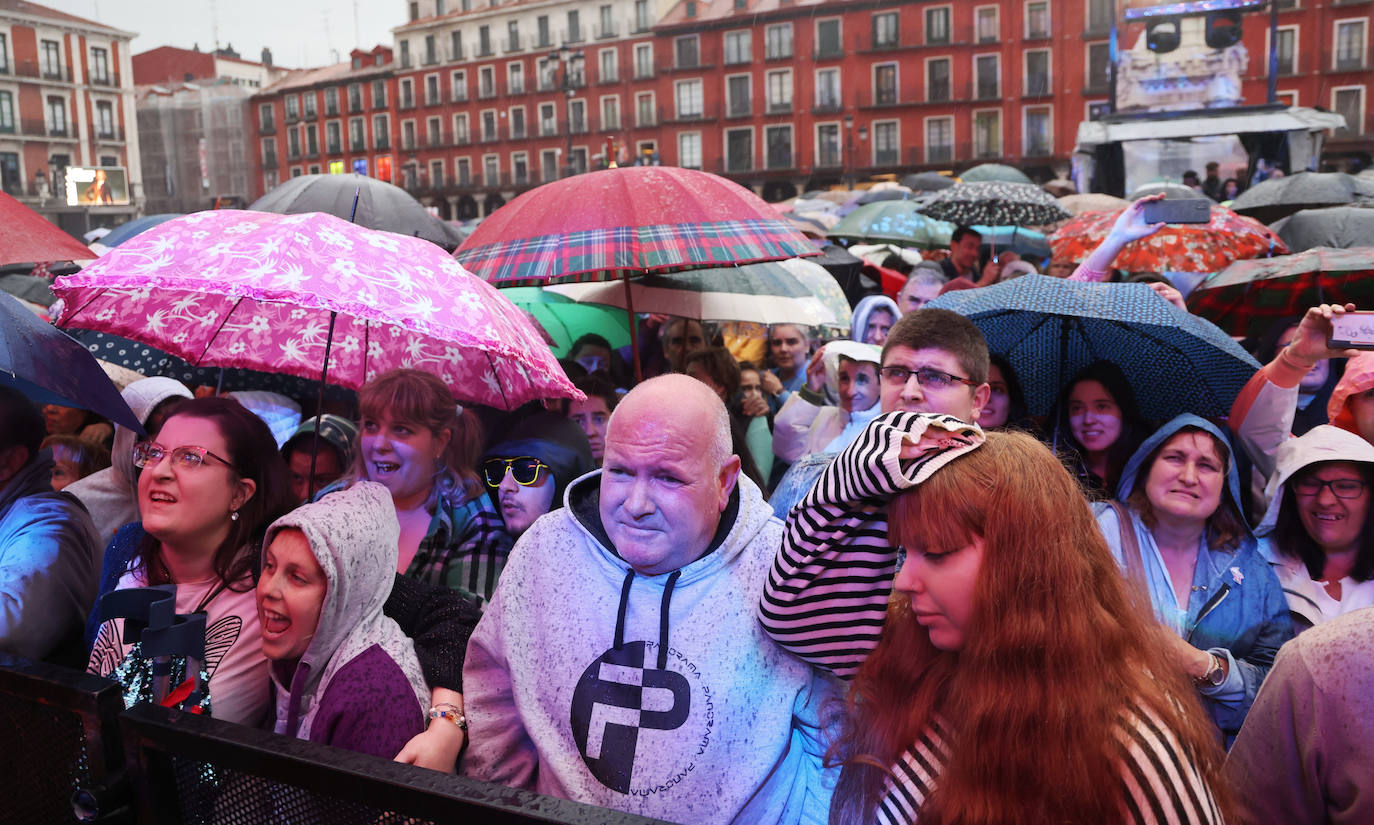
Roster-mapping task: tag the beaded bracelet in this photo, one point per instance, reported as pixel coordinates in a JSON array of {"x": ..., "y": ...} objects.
[{"x": 453, "y": 713}]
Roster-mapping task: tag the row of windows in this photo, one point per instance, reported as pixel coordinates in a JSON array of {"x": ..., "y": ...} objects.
[
  {"x": 55, "y": 122},
  {"x": 483, "y": 42},
  {"x": 1349, "y": 52},
  {"x": 50, "y": 63}
]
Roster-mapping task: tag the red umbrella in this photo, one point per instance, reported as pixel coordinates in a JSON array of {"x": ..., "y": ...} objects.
[
  {"x": 27, "y": 237},
  {"x": 630, "y": 220},
  {"x": 1204, "y": 247}
]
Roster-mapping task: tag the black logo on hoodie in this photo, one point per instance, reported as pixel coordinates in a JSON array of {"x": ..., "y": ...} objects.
[{"x": 617, "y": 697}]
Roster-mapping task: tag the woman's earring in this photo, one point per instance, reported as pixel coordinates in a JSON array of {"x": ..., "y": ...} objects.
[{"x": 233, "y": 515}]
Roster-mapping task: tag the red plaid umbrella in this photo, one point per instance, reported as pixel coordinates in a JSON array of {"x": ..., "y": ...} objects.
[
  {"x": 1248, "y": 296},
  {"x": 625, "y": 221},
  {"x": 26, "y": 237},
  {"x": 1205, "y": 247}
]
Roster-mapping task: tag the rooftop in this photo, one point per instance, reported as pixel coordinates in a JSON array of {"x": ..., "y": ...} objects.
[{"x": 34, "y": 10}]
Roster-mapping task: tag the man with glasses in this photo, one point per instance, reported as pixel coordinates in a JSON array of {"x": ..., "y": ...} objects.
[
  {"x": 620, "y": 662},
  {"x": 49, "y": 547},
  {"x": 528, "y": 471}
]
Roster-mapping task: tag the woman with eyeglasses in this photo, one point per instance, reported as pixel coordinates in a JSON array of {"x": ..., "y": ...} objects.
[
  {"x": 416, "y": 441},
  {"x": 1317, "y": 531},
  {"x": 207, "y": 489},
  {"x": 528, "y": 471}
]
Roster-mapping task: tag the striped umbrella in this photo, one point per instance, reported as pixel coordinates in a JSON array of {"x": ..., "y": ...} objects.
[{"x": 768, "y": 293}]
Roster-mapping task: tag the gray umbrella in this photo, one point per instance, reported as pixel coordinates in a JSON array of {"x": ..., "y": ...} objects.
[
  {"x": 995, "y": 204},
  {"x": 1279, "y": 197},
  {"x": 1342, "y": 227},
  {"x": 1170, "y": 190},
  {"x": 380, "y": 206},
  {"x": 927, "y": 182}
]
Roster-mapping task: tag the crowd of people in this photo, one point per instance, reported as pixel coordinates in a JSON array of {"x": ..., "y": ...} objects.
[{"x": 781, "y": 579}]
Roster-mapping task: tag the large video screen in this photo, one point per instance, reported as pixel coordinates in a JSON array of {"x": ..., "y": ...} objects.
[{"x": 99, "y": 186}]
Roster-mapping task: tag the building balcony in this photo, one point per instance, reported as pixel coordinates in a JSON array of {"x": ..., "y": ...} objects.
[
  {"x": 453, "y": 55},
  {"x": 334, "y": 149},
  {"x": 493, "y": 135},
  {"x": 608, "y": 79},
  {"x": 486, "y": 94},
  {"x": 1337, "y": 61},
  {"x": 831, "y": 52},
  {"x": 883, "y": 99},
  {"x": 688, "y": 64},
  {"x": 331, "y": 111},
  {"x": 462, "y": 139},
  {"x": 781, "y": 107},
  {"x": 267, "y": 127},
  {"x": 458, "y": 96},
  {"x": 311, "y": 114},
  {"x": 382, "y": 143},
  {"x": 357, "y": 146},
  {"x": 516, "y": 89},
  {"x": 605, "y": 32},
  {"x": 430, "y": 59},
  {"x": 710, "y": 111},
  {"x": 34, "y": 69},
  {"x": 987, "y": 91},
  {"x": 571, "y": 36},
  {"x": 434, "y": 100},
  {"x": 108, "y": 80},
  {"x": 355, "y": 106},
  {"x": 485, "y": 50},
  {"x": 828, "y": 160},
  {"x": 739, "y": 109},
  {"x": 114, "y": 134},
  {"x": 269, "y": 161},
  {"x": 406, "y": 103},
  {"x": 292, "y": 117},
  {"x": 827, "y": 107},
  {"x": 514, "y": 44},
  {"x": 293, "y": 154},
  {"x": 887, "y": 45},
  {"x": 379, "y": 104},
  {"x": 312, "y": 153}
]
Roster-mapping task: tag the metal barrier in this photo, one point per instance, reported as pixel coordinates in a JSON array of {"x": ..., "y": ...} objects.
[{"x": 71, "y": 750}]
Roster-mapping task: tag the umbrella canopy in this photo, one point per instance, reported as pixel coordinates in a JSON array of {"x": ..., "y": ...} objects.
[
  {"x": 767, "y": 293},
  {"x": 26, "y": 237},
  {"x": 1093, "y": 202},
  {"x": 45, "y": 364},
  {"x": 1203, "y": 247},
  {"x": 380, "y": 206},
  {"x": 129, "y": 229},
  {"x": 995, "y": 204},
  {"x": 1016, "y": 239},
  {"x": 278, "y": 292},
  {"x": 32, "y": 288},
  {"x": 635, "y": 219},
  {"x": 927, "y": 182},
  {"x": 566, "y": 320},
  {"x": 820, "y": 283},
  {"x": 994, "y": 172},
  {"x": 1049, "y": 329},
  {"x": 1170, "y": 190},
  {"x": 891, "y": 193},
  {"x": 896, "y": 222},
  {"x": 1341, "y": 227},
  {"x": 1280, "y": 197},
  {"x": 1248, "y": 296}
]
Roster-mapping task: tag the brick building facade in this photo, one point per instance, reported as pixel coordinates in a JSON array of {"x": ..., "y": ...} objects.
[
  {"x": 66, "y": 99},
  {"x": 487, "y": 100}
]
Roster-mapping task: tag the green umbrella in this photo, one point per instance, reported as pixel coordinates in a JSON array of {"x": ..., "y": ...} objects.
[
  {"x": 566, "y": 320},
  {"x": 989, "y": 172},
  {"x": 897, "y": 222}
]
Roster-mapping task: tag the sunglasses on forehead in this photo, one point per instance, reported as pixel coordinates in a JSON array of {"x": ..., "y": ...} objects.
[{"x": 524, "y": 469}]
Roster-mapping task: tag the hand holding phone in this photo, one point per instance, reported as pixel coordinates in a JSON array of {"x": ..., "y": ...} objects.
[{"x": 1353, "y": 330}]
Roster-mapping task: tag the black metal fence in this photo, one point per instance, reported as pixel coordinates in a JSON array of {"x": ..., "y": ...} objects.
[{"x": 73, "y": 754}]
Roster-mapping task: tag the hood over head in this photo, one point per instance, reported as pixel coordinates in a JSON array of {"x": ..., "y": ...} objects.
[
  {"x": 1358, "y": 378},
  {"x": 864, "y": 308},
  {"x": 1322, "y": 443},
  {"x": 554, "y": 440},
  {"x": 355, "y": 537},
  {"x": 1134, "y": 467},
  {"x": 854, "y": 351}
]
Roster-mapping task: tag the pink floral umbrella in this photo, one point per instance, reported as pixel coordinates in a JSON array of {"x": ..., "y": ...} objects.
[{"x": 282, "y": 293}]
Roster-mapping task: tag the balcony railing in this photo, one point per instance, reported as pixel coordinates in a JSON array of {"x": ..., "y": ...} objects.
[
  {"x": 779, "y": 107},
  {"x": 378, "y": 103},
  {"x": 572, "y": 35},
  {"x": 486, "y": 93},
  {"x": 269, "y": 161},
  {"x": 458, "y": 95},
  {"x": 514, "y": 44},
  {"x": 267, "y": 127},
  {"x": 406, "y": 102},
  {"x": 431, "y": 58},
  {"x": 607, "y": 78},
  {"x": 485, "y": 50},
  {"x": 292, "y": 117},
  {"x": 333, "y": 148},
  {"x": 331, "y": 111},
  {"x": 462, "y": 139},
  {"x": 453, "y": 55},
  {"x": 114, "y": 134},
  {"x": 311, "y": 114},
  {"x": 830, "y": 51},
  {"x": 435, "y": 141},
  {"x": 435, "y": 99},
  {"x": 739, "y": 108},
  {"x": 604, "y": 31},
  {"x": 106, "y": 79},
  {"x": 32, "y": 68},
  {"x": 357, "y": 146},
  {"x": 382, "y": 143},
  {"x": 689, "y": 63},
  {"x": 827, "y": 107},
  {"x": 355, "y": 105},
  {"x": 1338, "y": 61},
  {"x": 988, "y": 91}
]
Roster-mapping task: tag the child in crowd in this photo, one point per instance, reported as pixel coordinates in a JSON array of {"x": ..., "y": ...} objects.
[
  {"x": 74, "y": 459},
  {"x": 344, "y": 674}
]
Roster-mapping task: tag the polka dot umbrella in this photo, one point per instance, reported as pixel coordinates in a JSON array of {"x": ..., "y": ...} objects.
[{"x": 995, "y": 204}]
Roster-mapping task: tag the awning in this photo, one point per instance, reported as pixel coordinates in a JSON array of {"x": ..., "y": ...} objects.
[{"x": 1092, "y": 133}]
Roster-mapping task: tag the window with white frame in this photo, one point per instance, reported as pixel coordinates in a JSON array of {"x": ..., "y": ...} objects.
[
  {"x": 269, "y": 144},
  {"x": 461, "y": 134},
  {"x": 987, "y": 133},
  {"x": 1348, "y": 102},
  {"x": 520, "y": 169},
  {"x": 1037, "y": 72},
  {"x": 333, "y": 136},
  {"x": 488, "y": 121},
  {"x": 407, "y": 93},
  {"x": 1099, "y": 67},
  {"x": 887, "y": 145},
  {"x": 937, "y": 24},
  {"x": 777, "y": 41},
  {"x": 577, "y": 161},
  {"x": 293, "y": 143},
  {"x": 100, "y": 65},
  {"x": 1350, "y": 44},
  {"x": 407, "y": 135},
  {"x": 779, "y": 90},
  {"x": 1037, "y": 19},
  {"x": 1038, "y": 132},
  {"x": 52, "y": 59},
  {"x": 828, "y": 89},
  {"x": 828, "y": 145},
  {"x": 486, "y": 82},
  {"x": 828, "y": 39},
  {"x": 293, "y": 107},
  {"x": 1100, "y": 14},
  {"x": 515, "y": 78},
  {"x": 939, "y": 139},
  {"x": 548, "y": 165},
  {"x": 1286, "y": 46},
  {"x": 458, "y": 86},
  {"x": 644, "y": 60},
  {"x": 885, "y": 84},
  {"x": 104, "y": 119},
  {"x": 739, "y": 150},
  {"x": 436, "y": 173},
  {"x": 987, "y": 74},
  {"x": 610, "y": 113},
  {"x": 548, "y": 120},
  {"x": 577, "y": 115},
  {"x": 1287, "y": 98},
  {"x": 491, "y": 170},
  {"x": 462, "y": 171},
  {"x": 778, "y": 147},
  {"x": 739, "y": 95},
  {"x": 885, "y": 30},
  {"x": 517, "y": 122},
  {"x": 644, "y": 109},
  {"x": 738, "y": 45},
  {"x": 687, "y": 52},
  {"x": 608, "y": 70},
  {"x": 357, "y": 138},
  {"x": 689, "y": 150},
  {"x": 937, "y": 79},
  {"x": 687, "y": 96},
  {"x": 57, "y": 115},
  {"x": 4, "y": 52},
  {"x": 986, "y": 24}
]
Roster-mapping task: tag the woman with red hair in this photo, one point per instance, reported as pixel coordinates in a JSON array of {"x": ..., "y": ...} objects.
[{"x": 1008, "y": 675}]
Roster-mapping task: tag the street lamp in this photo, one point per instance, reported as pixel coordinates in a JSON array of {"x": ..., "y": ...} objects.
[
  {"x": 565, "y": 56},
  {"x": 849, "y": 151}
]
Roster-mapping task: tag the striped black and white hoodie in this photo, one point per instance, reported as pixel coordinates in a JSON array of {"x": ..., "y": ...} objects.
[{"x": 827, "y": 594}]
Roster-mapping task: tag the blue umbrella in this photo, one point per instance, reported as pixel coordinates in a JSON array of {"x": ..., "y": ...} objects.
[
  {"x": 125, "y": 231},
  {"x": 1050, "y": 328},
  {"x": 45, "y": 364},
  {"x": 1020, "y": 241}
]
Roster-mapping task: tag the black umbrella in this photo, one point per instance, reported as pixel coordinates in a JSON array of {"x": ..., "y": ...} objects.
[
  {"x": 995, "y": 204},
  {"x": 379, "y": 206},
  {"x": 1280, "y": 197},
  {"x": 1342, "y": 227},
  {"x": 927, "y": 182}
]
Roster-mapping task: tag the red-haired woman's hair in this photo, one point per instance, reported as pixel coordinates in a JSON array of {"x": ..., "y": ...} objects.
[
  {"x": 421, "y": 399},
  {"x": 1056, "y": 650}
]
